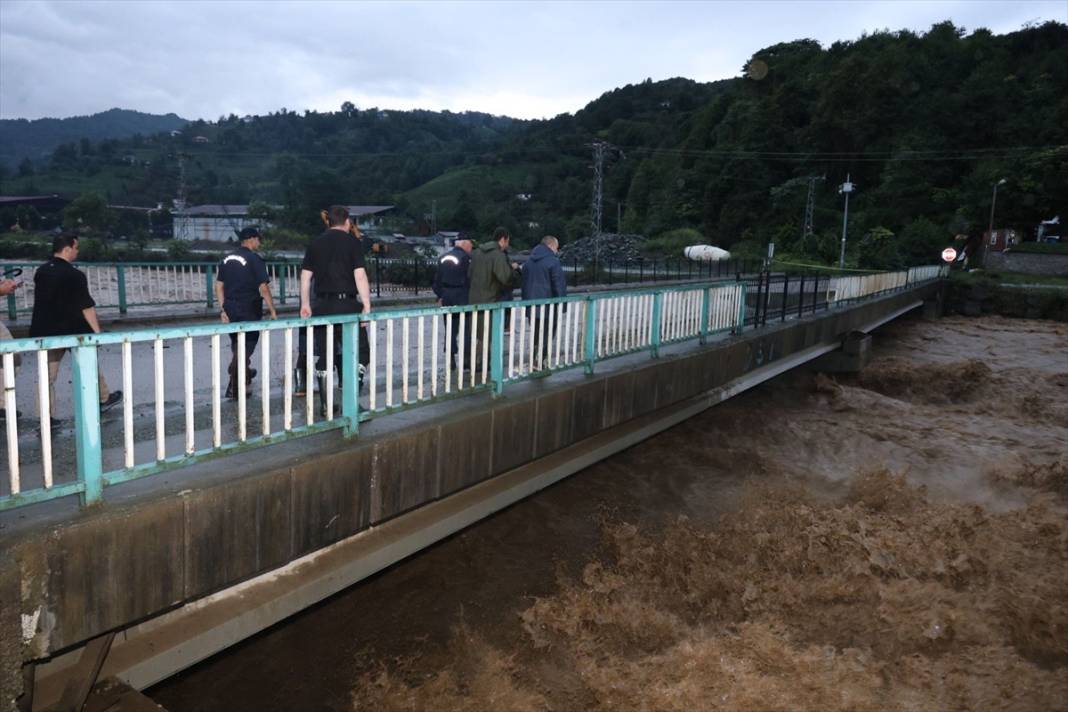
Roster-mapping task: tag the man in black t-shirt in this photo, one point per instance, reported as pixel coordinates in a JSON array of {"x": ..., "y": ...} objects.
[
  {"x": 242, "y": 286},
  {"x": 334, "y": 260},
  {"x": 62, "y": 306}
]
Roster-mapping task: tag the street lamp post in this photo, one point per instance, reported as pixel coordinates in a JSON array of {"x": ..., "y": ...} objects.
[
  {"x": 993, "y": 202},
  {"x": 846, "y": 188}
]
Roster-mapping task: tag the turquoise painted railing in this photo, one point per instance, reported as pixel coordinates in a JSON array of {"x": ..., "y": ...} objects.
[
  {"x": 175, "y": 412},
  {"x": 132, "y": 285}
]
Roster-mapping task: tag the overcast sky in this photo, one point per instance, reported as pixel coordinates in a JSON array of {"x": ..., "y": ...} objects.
[{"x": 535, "y": 59}]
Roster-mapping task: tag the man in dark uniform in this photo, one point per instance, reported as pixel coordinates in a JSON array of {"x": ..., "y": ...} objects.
[
  {"x": 451, "y": 285},
  {"x": 62, "y": 306},
  {"x": 242, "y": 286},
  {"x": 335, "y": 261}
]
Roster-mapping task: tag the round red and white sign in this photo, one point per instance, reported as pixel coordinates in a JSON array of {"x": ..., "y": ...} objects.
[{"x": 949, "y": 254}]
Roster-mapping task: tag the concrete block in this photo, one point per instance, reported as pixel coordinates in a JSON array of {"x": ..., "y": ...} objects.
[
  {"x": 852, "y": 357},
  {"x": 405, "y": 472},
  {"x": 644, "y": 391},
  {"x": 331, "y": 497},
  {"x": 465, "y": 451},
  {"x": 513, "y": 435},
  {"x": 588, "y": 408},
  {"x": 619, "y": 398},
  {"x": 235, "y": 531},
  {"x": 108, "y": 570},
  {"x": 554, "y": 422}
]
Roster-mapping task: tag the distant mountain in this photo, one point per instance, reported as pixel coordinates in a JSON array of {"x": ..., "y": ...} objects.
[{"x": 37, "y": 139}]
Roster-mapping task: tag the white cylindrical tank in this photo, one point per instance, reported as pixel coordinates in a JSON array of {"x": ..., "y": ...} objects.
[{"x": 705, "y": 253}]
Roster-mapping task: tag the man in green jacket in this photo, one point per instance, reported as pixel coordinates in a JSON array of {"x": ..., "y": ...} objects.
[{"x": 491, "y": 272}]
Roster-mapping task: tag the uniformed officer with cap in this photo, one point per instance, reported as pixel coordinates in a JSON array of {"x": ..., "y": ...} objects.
[
  {"x": 334, "y": 260},
  {"x": 241, "y": 287},
  {"x": 452, "y": 282}
]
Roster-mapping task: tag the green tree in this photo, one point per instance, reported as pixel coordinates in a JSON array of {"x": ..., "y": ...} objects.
[{"x": 88, "y": 210}]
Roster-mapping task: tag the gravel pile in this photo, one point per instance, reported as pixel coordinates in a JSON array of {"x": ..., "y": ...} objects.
[{"x": 612, "y": 246}]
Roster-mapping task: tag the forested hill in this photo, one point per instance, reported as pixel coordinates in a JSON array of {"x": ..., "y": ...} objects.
[
  {"x": 924, "y": 125},
  {"x": 36, "y": 139}
]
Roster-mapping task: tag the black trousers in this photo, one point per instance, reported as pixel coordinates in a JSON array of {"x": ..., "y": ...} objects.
[
  {"x": 454, "y": 341},
  {"x": 252, "y": 338},
  {"x": 329, "y": 307}
]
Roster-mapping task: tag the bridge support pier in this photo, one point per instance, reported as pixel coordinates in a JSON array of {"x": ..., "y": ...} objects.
[
  {"x": 852, "y": 357},
  {"x": 932, "y": 309}
]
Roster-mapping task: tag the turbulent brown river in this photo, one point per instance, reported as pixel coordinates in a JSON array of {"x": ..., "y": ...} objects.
[{"x": 896, "y": 540}]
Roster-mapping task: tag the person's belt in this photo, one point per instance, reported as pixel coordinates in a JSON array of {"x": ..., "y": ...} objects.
[{"x": 334, "y": 295}]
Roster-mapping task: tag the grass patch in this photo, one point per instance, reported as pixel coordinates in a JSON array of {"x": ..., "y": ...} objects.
[
  {"x": 1041, "y": 248},
  {"x": 995, "y": 278}
]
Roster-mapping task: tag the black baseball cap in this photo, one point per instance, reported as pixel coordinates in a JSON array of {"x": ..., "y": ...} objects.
[{"x": 247, "y": 233}]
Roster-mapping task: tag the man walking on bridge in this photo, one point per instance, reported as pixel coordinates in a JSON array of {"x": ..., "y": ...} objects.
[
  {"x": 335, "y": 261},
  {"x": 62, "y": 306},
  {"x": 241, "y": 288},
  {"x": 452, "y": 282},
  {"x": 543, "y": 278}
]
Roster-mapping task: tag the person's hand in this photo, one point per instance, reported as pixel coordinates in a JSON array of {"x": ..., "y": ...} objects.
[
  {"x": 274, "y": 315},
  {"x": 515, "y": 265},
  {"x": 305, "y": 311},
  {"x": 224, "y": 317},
  {"x": 7, "y": 286},
  {"x": 440, "y": 304}
]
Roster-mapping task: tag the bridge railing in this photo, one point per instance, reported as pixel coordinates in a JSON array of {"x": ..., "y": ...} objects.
[
  {"x": 175, "y": 411},
  {"x": 136, "y": 285}
]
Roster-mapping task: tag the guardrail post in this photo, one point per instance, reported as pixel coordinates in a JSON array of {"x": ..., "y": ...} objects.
[
  {"x": 120, "y": 275},
  {"x": 591, "y": 334},
  {"x": 743, "y": 295},
  {"x": 706, "y": 307},
  {"x": 282, "y": 284},
  {"x": 209, "y": 285},
  {"x": 497, "y": 351},
  {"x": 350, "y": 392},
  {"x": 654, "y": 338},
  {"x": 87, "y": 423}
]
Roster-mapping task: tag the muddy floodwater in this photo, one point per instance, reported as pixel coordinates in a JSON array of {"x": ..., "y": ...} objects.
[{"x": 890, "y": 541}]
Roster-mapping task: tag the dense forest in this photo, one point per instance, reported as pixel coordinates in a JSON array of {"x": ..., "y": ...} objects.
[
  {"x": 924, "y": 125},
  {"x": 36, "y": 139}
]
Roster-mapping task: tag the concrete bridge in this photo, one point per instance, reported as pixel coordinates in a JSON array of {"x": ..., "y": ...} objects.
[{"x": 137, "y": 568}]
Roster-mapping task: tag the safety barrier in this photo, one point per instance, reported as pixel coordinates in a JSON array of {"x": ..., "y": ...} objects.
[
  {"x": 135, "y": 285},
  {"x": 175, "y": 412}
]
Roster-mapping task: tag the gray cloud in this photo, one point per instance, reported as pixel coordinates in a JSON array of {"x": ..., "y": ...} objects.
[{"x": 528, "y": 59}]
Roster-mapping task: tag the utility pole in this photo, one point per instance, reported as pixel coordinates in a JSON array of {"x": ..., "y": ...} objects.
[
  {"x": 810, "y": 208},
  {"x": 599, "y": 148},
  {"x": 179, "y": 203},
  {"x": 846, "y": 188},
  {"x": 993, "y": 202}
]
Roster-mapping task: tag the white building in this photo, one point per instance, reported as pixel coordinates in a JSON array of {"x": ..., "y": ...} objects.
[{"x": 221, "y": 223}]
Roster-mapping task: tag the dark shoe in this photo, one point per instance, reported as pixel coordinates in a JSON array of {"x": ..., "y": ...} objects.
[
  {"x": 114, "y": 398},
  {"x": 3, "y": 414},
  {"x": 250, "y": 373},
  {"x": 231, "y": 391}
]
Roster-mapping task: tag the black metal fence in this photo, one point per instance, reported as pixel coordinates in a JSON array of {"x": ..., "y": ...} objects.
[{"x": 395, "y": 277}]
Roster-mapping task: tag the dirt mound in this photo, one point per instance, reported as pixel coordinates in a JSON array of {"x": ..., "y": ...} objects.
[
  {"x": 880, "y": 600},
  {"x": 936, "y": 383}
]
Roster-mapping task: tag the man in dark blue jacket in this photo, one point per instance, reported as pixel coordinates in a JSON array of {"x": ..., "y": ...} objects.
[
  {"x": 452, "y": 282},
  {"x": 543, "y": 278}
]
